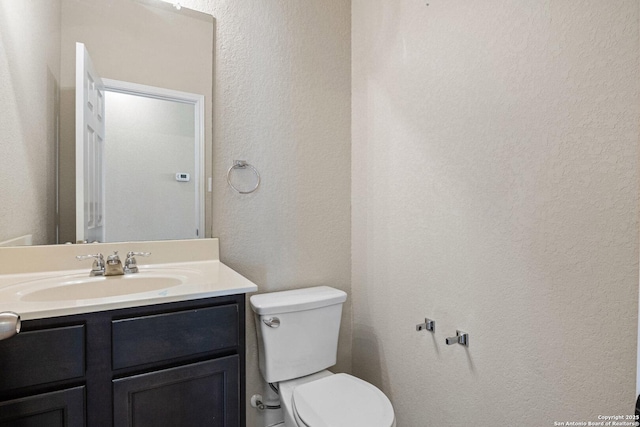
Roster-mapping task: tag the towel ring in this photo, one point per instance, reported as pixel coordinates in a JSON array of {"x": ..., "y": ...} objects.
[{"x": 241, "y": 164}]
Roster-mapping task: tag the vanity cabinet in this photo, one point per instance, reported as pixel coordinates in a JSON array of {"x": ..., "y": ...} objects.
[
  {"x": 175, "y": 364},
  {"x": 54, "y": 409},
  {"x": 199, "y": 394}
]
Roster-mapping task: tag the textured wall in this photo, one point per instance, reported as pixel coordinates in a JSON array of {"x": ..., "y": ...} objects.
[
  {"x": 495, "y": 190},
  {"x": 29, "y": 75},
  {"x": 282, "y": 103}
]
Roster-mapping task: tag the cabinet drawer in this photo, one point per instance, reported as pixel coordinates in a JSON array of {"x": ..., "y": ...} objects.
[
  {"x": 149, "y": 339},
  {"x": 42, "y": 356}
]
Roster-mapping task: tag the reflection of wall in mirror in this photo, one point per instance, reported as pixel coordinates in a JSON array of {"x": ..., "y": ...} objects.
[
  {"x": 29, "y": 75},
  {"x": 175, "y": 53},
  {"x": 149, "y": 203}
]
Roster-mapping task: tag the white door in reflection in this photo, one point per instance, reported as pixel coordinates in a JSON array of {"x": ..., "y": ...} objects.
[
  {"x": 152, "y": 164},
  {"x": 90, "y": 140}
]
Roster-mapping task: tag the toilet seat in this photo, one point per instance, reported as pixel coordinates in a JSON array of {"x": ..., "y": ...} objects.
[{"x": 341, "y": 400}]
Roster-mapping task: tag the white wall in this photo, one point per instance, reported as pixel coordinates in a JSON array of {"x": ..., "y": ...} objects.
[
  {"x": 282, "y": 103},
  {"x": 495, "y": 190},
  {"x": 147, "y": 142},
  {"x": 29, "y": 76}
]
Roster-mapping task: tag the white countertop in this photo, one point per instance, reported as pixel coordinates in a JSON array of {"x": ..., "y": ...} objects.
[
  {"x": 33, "y": 288},
  {"x": 203, "y": 279}
]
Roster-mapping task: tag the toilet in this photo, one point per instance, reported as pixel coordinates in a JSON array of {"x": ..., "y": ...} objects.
[{"x": 298, "y": 341}]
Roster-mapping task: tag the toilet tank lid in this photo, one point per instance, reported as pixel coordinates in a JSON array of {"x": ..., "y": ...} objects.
[{"x": 296, "y": 300}]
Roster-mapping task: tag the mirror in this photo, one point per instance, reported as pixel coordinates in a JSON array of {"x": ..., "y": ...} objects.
[{"x": 143, "y": 42}]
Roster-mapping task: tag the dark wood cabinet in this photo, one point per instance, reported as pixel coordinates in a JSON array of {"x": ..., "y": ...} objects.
[
  {"x": 42, "y": 356},
  {"x": 64, "y": 408},
  {"x": 177, "y": 364},
  {"x": 199, "y": 394}
]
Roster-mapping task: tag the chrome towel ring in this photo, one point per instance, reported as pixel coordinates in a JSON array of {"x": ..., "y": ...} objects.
[{"x": 241, "y": 164}]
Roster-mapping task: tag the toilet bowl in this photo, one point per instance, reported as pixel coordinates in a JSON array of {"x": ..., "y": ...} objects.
[
  {"x": 341, "y": 400},
  {"x": 297, "y": 338}
]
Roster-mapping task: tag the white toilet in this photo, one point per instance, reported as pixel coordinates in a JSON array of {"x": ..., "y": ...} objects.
[{"x": 298, "y": 341}]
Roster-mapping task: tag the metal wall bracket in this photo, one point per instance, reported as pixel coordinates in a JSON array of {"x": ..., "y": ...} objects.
[
  {"x": 429, "y": 325},
  {"x": 461, "y": 338}
]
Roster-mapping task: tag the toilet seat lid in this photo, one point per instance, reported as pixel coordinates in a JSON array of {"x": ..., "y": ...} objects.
[{"x": 342, "y": 400}]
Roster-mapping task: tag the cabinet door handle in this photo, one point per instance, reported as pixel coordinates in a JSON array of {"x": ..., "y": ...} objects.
[{"x": 272, "y": 322}]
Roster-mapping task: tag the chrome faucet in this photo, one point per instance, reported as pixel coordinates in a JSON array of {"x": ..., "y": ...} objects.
[
  {"x": 114, "y": 265},
  {"x": 98, "y": 264},
  {"x": 130, "y": 264}
]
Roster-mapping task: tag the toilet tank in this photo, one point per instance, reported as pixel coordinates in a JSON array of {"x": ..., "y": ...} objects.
[{"x": 303, "y": 336}]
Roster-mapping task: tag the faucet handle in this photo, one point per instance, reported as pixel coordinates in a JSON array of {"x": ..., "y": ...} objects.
[
  {"x": 131, "y": 255},
  {"x": 130, "y": 264},
  {"x": 83, "y": 257},
  {"x": 98, "y": 264}
]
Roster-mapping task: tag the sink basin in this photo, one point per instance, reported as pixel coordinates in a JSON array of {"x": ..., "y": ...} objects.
[{"x": 82, "y": 287}]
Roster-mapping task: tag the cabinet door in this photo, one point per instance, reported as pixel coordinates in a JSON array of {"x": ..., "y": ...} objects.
[
  {"x": 201, "y": 394},
  {"x": 59, "y": 408}
]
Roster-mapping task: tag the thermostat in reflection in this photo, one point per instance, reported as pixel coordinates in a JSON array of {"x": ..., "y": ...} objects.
[{"x": 183, "y": 177}]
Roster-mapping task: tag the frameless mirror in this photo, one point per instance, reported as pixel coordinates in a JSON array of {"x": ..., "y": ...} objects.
[{"x": 151, "y": 158}]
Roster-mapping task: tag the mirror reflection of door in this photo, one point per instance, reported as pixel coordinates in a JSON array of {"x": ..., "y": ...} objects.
[
  {"x": 90, "y": 140},
  {"x": 152, "y": 178}
]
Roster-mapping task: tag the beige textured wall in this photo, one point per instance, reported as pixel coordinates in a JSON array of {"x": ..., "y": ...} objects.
[
  {"x": 495, "y": 190},
  {"x": 29, "y": 75},
  {"x": 282, "y": 103}
]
